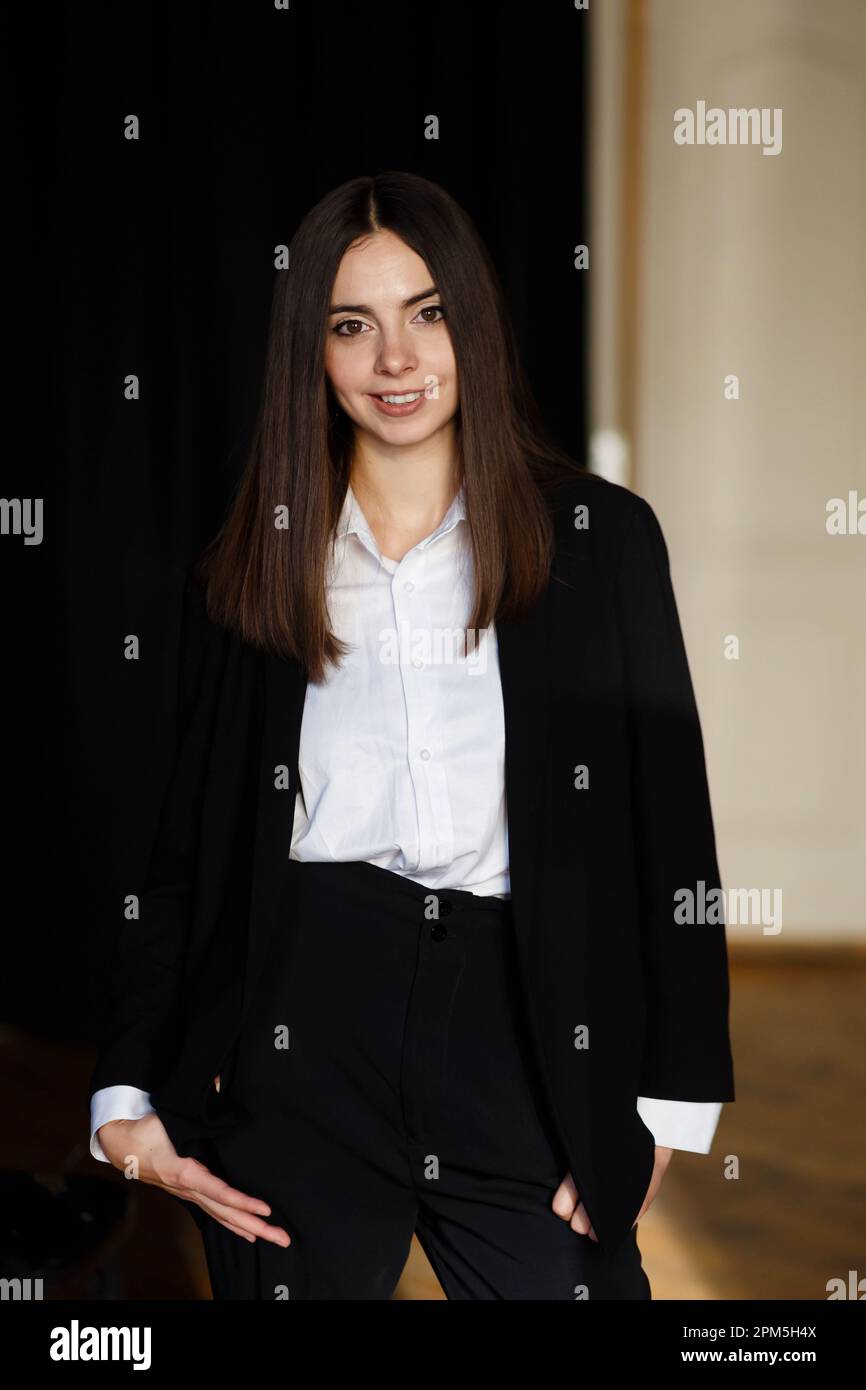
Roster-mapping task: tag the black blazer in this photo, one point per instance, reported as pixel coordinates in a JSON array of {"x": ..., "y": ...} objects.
[{"x": 595, "y": 676}]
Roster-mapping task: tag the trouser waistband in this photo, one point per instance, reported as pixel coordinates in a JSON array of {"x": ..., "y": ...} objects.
[{"x": 358, "y": 877}]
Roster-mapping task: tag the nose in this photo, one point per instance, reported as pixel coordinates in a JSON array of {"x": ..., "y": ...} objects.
[{"x": 397, "y": 353}]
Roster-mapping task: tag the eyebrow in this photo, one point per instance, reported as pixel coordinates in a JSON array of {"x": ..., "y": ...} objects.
[{"x": 365, "y": 308}]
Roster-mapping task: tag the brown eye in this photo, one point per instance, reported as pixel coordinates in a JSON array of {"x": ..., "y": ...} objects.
[{"x": 347, "y": 322}]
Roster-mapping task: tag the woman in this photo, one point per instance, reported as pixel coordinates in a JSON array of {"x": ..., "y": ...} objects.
[{"x": 407, "y": 958}]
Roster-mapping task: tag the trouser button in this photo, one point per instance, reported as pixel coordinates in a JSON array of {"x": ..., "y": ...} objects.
[{"x": 438, "y": 930}]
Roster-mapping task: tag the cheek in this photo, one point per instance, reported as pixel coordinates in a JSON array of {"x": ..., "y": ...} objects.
[
  {"x": 443, "y": 367},
  {"x": 345, "y": 370}
]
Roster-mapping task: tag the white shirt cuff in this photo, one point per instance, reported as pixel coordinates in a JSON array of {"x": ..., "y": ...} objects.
[
  {"x": 681, "y": 1124},
  {"x": 115, "y": 1103}
]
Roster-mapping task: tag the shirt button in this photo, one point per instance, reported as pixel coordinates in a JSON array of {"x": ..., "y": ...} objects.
[
  {"x": 438, "y": 931},
  {"x": 417, "y": 662},
  {"x": 408, "y": 586},
  {"x": 425, "y": 754}
]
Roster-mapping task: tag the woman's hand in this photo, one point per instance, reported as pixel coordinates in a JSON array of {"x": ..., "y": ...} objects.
[
  {"x": 660, "y": 1167},
  {"x": 142, "y": 1149},
  {"x": 567, "y": 1204}
]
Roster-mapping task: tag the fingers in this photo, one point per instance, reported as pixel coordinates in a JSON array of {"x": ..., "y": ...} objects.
[
  {"x": 194, "y": 1175},
  {"x": 565, "y": 1199},
  {"x": 581, "y": 1223},
  {"x": 242, "y": 1224},
  {"x": 567, "y": 1204},
  {"x": 197, "y": 1183}
]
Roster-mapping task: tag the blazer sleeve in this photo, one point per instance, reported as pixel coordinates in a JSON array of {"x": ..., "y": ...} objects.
[
  {"x": 687, "y": 1053},
  {"x": 145, "y": 1007}
]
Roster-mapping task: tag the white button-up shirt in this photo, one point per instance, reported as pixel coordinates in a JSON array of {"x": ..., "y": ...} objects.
[
  {"x": 402, "y": 751},
  {"x": 402, "y": 748}
]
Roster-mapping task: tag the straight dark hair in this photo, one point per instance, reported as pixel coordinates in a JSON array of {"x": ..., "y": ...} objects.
[{"x": 269, "y": 582}]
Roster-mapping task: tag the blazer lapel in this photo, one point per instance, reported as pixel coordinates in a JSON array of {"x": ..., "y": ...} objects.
[{"x": 524, "y": 667}]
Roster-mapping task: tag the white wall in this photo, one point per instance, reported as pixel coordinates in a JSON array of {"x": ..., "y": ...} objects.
[{"x": 754, "y": 264}]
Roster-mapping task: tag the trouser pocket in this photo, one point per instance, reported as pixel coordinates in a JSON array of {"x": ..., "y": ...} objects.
[{"x": 214, "y": 1101}]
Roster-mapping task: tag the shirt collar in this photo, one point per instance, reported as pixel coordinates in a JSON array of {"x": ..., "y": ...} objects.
[{"x": 353, "y": 521}]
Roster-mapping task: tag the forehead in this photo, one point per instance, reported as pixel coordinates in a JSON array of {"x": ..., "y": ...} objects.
[{"x": 381, "y": 267}]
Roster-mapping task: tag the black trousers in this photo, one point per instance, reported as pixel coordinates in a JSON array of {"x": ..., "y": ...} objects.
[{"x": 390, "y": 1088}]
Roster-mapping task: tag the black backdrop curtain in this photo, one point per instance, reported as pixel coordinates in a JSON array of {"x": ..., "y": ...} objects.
[{"x": 155, "y": 257}]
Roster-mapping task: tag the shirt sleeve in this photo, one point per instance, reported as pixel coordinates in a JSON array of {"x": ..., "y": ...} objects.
[
  {"x": 115, "y": 1103},
  {"x": 681, "y": 1124}
]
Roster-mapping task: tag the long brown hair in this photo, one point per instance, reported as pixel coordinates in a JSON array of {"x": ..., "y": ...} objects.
[{"x": 268, "y": 582}]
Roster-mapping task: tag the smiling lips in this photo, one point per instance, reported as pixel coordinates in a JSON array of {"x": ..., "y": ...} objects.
[{"x": 398, "y": 403}]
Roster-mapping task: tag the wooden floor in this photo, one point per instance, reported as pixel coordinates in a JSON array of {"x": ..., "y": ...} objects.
[{"x": 775, "y": 1211}]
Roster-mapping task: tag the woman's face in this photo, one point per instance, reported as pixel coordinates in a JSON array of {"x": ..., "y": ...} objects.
[{"x": 386, "y": 337}]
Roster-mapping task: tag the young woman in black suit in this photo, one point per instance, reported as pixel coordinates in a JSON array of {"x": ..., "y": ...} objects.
[{"x": 416, "y": 896}]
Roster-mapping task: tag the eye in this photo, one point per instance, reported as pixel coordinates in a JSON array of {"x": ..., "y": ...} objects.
[
  {"x": 433, "y": 309},
  {"x": 346, "y": 322}
]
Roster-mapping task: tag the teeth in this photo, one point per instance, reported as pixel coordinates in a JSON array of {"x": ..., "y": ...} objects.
[{"x": 402, "y": 400}]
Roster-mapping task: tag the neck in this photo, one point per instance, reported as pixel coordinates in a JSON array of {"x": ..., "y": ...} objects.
[{"x": 404, "y": 492}]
